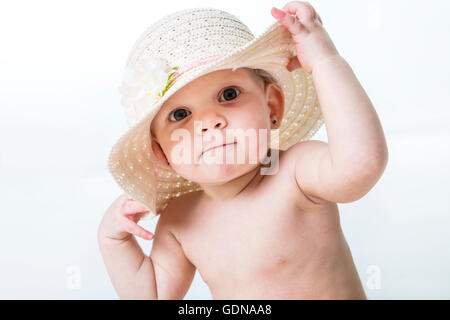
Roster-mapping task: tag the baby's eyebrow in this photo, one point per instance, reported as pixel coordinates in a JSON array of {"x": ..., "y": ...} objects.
[
  {"x": 163, "y": 107},
  {"x": 223, "y": 83}
]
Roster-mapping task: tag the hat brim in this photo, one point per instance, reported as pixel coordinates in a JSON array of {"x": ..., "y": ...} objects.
[{"x": 132, "y": 162}]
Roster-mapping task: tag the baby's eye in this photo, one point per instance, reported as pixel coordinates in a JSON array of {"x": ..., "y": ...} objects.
[
  {"x": 229, "y": 93},
  {"x": 178, "y": 114}
]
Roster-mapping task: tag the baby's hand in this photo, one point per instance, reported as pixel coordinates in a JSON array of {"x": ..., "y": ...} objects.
[
  {"x": 120, "y": 219},
  {"x": 312, "y": 42}
]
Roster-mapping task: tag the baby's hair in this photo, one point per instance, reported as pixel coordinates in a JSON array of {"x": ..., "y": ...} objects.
[{"x": 264, "y": 75}]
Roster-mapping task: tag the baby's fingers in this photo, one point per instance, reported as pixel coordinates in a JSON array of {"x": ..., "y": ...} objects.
[
  {"x": 132, "y": 206},
  {"x": 304, "y": 11},
  {"x": 134, "y": 228},
  {"x": 289, "y": 21}
]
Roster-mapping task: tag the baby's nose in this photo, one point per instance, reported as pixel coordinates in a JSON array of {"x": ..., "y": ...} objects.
[
  {"x": 211, "y": 121},
  {"x": 217, "y": 125}
]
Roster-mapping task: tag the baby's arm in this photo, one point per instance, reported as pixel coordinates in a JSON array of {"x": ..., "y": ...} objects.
[
  {"x": 172, "y": 269},
  {"x": 130, "y": 271},
  {"x": 350, "y": 164},
  {"x": 352, "y": 161},
  {"x": 166, "y": 274}
]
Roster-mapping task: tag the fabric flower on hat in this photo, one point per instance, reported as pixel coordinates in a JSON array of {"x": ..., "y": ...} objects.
[{"x": 145, "y": 83}]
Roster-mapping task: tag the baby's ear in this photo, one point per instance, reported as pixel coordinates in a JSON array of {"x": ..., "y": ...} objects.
[
  {"x": 158, "y": 152},
  {"x": 275, "y": 102}
]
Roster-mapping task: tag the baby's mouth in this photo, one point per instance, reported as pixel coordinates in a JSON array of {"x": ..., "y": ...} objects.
[{"x": 219, "y": 146}]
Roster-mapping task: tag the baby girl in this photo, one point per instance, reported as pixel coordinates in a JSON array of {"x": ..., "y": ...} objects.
[{"x": 251, "y": 234}]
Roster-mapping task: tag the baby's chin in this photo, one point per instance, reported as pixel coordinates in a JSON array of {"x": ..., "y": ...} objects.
[
  {"x": 221, "y": 166},
  {"x": 214, "y": 173}
]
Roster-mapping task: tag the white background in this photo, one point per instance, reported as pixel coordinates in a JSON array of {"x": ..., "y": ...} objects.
[{"x": 61, "y": 63}]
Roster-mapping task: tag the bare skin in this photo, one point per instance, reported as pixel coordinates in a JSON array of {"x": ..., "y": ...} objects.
[
  {"x": 254, "y": 236},
  {"x": 287, "y": 248}
]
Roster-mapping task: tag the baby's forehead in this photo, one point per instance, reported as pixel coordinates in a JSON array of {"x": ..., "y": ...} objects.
[
  {"x": 221, "y": 75},
  {"x": 213, "y": 79}
]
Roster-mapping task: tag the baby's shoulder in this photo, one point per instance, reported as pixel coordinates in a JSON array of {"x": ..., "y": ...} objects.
[
  {"x": 285, "y": 179},
  {"x": 179, "y": 209}
]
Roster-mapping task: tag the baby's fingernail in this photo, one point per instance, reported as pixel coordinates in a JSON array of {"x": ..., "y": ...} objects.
[{"x": 277, "y": 12}]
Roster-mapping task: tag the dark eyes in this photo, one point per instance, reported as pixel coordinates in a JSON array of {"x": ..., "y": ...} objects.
[
  {"x": 178, "y": 114},
  {"x": 228, "y": 94}
]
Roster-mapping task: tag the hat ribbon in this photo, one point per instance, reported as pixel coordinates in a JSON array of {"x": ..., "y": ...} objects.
[{"x": 193, "y": 65}]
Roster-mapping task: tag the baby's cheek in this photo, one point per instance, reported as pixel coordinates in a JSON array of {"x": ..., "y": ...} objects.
[
  {"x": 182, "y": 155},
  {"x": 187, "y": 171}
]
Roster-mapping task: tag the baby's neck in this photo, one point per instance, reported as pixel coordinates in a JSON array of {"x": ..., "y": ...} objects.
[{"x": 235, "y": 187}]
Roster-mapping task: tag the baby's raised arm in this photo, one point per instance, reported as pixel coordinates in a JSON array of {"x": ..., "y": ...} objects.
[{"x": 166, "y": 274}]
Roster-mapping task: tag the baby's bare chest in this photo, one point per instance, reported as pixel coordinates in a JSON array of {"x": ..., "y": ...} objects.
[{"x": 253, "y": 241}]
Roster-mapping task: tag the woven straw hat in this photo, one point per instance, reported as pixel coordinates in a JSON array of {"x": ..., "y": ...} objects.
[{"x": 178, "y": 49}]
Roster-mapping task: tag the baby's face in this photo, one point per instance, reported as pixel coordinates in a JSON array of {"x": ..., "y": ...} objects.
[{"x": 203, "y": 113}]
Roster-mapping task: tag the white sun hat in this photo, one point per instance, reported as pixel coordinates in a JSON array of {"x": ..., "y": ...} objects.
[{"x": 178, "y": 49}]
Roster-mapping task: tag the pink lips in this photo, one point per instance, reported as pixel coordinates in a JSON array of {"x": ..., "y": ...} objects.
[{"x": 218, "y": 147}]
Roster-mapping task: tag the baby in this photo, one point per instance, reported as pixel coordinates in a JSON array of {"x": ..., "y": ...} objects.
[{"x": 252, "y": 235}]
